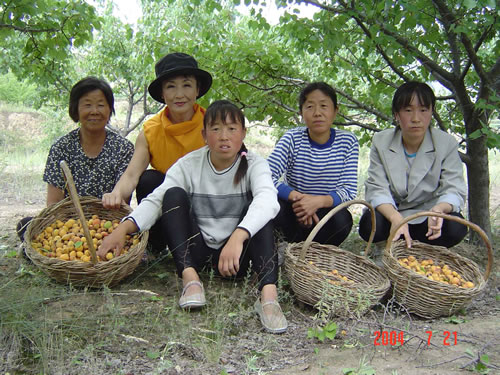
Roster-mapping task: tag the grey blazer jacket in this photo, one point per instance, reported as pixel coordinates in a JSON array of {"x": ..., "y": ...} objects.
[{"x": 435, "y": 176}]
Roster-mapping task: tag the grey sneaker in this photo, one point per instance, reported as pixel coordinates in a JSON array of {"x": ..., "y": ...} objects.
[{"x": 273, "y": 319}]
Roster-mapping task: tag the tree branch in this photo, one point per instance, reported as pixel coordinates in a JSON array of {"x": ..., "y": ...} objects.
[
  {"x": 28, "y": 30},
  {"x": 350, "y": 122},
  {"x": 367, "y": 108},
  {"x": 480, "y": 41},
  {"x": 447, "y": 20}
]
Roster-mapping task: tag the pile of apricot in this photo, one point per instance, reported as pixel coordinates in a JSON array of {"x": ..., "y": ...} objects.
[
  {"x": 66, "y": 240},
  {"x": 438, "y": 272},
  {"x": 334, "y": 277}
]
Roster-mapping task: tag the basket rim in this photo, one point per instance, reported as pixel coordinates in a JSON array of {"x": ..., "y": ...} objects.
[
  {"x": 393, "y": 265},
  {"x": 49, "y": 265},
  {"x": 476, "y": 228},
  {"x": 354, "y": 259},
  {"x": 329, "y": 215}
]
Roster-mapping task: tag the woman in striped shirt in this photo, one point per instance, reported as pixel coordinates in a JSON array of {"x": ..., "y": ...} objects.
[{"x": 314, "y": 169}]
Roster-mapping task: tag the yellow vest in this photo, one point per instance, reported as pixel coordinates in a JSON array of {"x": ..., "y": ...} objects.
[{"x": 168, "y": 142}]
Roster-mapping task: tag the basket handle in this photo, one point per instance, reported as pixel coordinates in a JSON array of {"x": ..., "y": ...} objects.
[
  {"x": 473, "y": 226},
  {"x": 327, "y": 217},
  {"x": 78, "y": 207}
]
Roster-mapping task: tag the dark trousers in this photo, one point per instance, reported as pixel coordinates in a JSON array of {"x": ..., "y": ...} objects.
[
  {"x": 334, "y": 232},
  {"x": 189, "y": 249},
  {"x": 150, "y": 180},
  {"x": 451, "y": 232},
  {"x": 22, "y": 225}
]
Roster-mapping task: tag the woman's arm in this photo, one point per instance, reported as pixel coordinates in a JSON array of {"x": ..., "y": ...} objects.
[
  {"x": 54, "y": 195},
  {"x": 279, "y": 160},
  {"x": 452, "y": 188},
  {"x": 394, "y": 217},
  {"x": 377, "y": 185},
  {"x": 128, "y": 181},
  {"x": 347, "y": 186}
]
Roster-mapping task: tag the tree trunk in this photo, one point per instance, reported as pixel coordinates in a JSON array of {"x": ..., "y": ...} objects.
[{"x": 478, "y": 178}]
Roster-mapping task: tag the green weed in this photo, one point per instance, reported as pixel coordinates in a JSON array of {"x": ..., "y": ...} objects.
[
  {"x": 362, "y": 369},
  {"x": 328, "y": 331}
]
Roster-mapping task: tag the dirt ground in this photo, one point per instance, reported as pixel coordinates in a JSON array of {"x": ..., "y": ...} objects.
[{"x": 292, "y": 353}]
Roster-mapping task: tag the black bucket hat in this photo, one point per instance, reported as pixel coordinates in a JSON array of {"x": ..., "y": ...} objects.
[{"x": 175, "y": 64}]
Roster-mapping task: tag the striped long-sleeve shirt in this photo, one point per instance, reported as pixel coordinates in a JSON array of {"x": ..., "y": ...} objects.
[{"x": 298, "y": 163}]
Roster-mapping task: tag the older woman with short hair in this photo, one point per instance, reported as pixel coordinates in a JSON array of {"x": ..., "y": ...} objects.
[{"x": 96, "y": 156}]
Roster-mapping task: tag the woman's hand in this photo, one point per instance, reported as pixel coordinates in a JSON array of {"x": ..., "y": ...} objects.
[
  {"x": 435, "y": 224},
  {"x": 306, "y": 205},
  {"x": 112, "y": 200},
  {"x": 116, "y": 240},
  {"x": 402, "y": 231},
  {"x": 229, "y": 260},
  {"x": 394, "y": 217}
]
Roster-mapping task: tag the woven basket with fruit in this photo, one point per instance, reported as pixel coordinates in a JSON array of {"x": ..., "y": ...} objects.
[
  {"x": 62, "y": 241},
  {"x": 432, "y": 281},
  {"x": 349, "y": 284}
]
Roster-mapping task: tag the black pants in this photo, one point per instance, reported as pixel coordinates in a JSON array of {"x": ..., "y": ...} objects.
[
  {"x": 150, "y": 180},
  {"x": 22, "y": 225},
  {"x": 189, "y": 249},
  {"x": 451, "y": 232},
  {"x": 334, "y": 232}
]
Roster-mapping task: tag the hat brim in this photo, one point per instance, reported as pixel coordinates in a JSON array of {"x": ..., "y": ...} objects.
[{"x": 204, "y": 77}]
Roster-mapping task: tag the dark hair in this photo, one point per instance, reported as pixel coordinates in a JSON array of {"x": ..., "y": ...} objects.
[
  {"x": 85, "y": 86},
  {"x": 404, "y": 94},
  {"x": 219, "y": 110},
  {"x": 325, "y": 88}
]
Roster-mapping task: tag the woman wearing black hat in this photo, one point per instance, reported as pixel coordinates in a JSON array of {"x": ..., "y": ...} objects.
[{"x": 170, "y": 134}]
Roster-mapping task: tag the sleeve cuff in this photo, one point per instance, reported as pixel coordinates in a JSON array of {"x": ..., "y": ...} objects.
[
  {"x": 336, "y": 198},
  {"x": 246, "y": 230},
  {"x": 377, "y": 201},
  {"x": 284, "y": 191},
  {"x": 452, "y": 199},
  {"x": 135, "y": 222}
]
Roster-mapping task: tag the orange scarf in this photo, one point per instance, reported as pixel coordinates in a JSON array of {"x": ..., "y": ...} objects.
[{"x": 168, "y": 142}]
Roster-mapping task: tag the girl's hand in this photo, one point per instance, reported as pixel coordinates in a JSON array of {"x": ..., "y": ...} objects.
[
  {"x": 229, "y": 260},
  {"x": 116, "y": 240}
]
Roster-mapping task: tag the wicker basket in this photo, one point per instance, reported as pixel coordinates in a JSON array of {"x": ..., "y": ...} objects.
[
  {"x": 428, "y": 298},
  {"x": 80, "y": 273},
  {"x": 307, "y": 265}
]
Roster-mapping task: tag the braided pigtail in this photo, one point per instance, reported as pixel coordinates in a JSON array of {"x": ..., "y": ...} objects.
[{"x": 243, "y": 167}]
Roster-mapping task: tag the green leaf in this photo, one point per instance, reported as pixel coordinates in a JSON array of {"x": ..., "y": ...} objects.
[
  {"x": 485, "y": 358},
  {"x": 469, "y": 4},
  {"x": 153, "y": 355},
  {"x": 11, "y": 254},
  {"x": 454, "y": 320}
]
